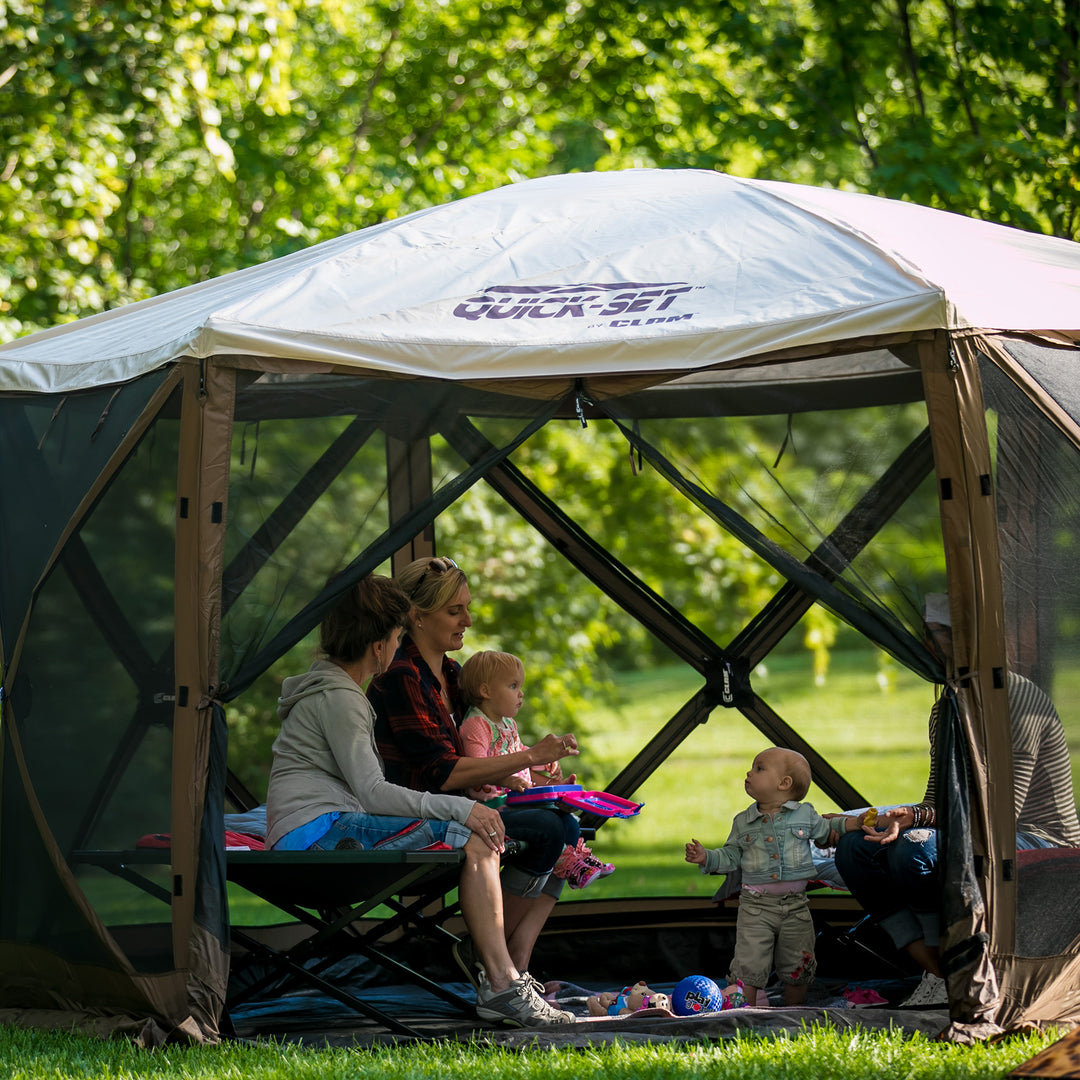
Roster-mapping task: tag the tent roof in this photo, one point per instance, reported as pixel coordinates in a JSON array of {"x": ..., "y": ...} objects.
[{"x": 635, "y": 272}]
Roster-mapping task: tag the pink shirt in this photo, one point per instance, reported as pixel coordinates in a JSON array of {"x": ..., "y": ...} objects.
[{"x": 483, "y": 737}]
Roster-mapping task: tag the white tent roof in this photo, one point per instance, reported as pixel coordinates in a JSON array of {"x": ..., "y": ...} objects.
[{"x": 585, "y": 274}]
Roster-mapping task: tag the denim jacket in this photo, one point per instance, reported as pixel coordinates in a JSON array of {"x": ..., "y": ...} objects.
[{"x": 774, "y": 850}]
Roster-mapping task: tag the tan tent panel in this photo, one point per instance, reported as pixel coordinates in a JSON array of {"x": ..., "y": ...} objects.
[{"x": 167, "y": 466}]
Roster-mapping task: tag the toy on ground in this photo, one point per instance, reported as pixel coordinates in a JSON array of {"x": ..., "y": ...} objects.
[
  {"x": 697, "y": 994},
  {"x": 632, "y": 999}
]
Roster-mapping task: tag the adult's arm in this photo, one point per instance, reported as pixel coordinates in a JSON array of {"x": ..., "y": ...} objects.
[
  {"x": 348, "y": 729},
  {"x": 475, "y": 772}
]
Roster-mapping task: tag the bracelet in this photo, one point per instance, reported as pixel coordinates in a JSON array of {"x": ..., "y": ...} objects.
[{"x": 923, "y": 816}]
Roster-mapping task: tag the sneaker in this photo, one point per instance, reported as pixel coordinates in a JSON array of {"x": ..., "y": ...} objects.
[
  {"x": 577, "y": 866},
  {"x": 464, "y": 953},
  {"x": 519, "y": 1004},
  {"x": 930, "y": 992},
  {"x": 605, "y": 868},
  {"x": 558, "y": 1016},
  {"x": 582, "y": 875}
]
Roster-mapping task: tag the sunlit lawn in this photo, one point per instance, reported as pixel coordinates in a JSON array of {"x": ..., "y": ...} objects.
[
  {"x": 819, "y": 1052},
  {"x": 869, "y": 720},
  {"x": 875, "y": 737}
]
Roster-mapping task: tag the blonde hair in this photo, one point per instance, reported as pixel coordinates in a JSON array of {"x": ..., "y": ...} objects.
[
  {"x": 431, "y": 583},
  {"x": 482, "y": 667},
  {"x": 798, "y": 768}
]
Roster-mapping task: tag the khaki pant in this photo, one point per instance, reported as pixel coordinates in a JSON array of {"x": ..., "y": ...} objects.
[{"x": 774, "y": 933}]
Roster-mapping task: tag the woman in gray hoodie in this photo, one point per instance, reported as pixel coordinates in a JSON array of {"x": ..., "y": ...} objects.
[{"x": 328, "y": 789}]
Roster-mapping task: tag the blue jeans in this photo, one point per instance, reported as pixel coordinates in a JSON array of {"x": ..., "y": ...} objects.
[
  {"x": 546, "y": 832},
  {"x": 376, "y": 832},
  {"x": 897, "y": 883}
]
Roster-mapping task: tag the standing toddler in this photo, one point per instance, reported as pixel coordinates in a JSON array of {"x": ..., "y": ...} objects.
[{"x": 770, "y": 842}]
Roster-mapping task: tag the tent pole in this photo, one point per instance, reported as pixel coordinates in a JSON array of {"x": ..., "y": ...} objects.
[
  {"x": 686, "y": 640},
  {"x": 409, "y": 483},
  {"x": 202, "y": 488}
]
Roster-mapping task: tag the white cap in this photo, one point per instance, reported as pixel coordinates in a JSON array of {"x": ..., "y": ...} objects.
[{"x": 936, "y": 609}]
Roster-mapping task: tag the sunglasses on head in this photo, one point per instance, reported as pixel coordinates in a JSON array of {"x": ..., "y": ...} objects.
[{"x": 437, "y": 566}]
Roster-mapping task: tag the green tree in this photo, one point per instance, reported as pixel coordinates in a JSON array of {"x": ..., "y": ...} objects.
[{"x": 150, "y": 144}]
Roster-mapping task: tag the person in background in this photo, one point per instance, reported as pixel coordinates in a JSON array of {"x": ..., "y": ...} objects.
[
  {"x": 892, "y": 870},
  {"x": 328, "y": 791}
]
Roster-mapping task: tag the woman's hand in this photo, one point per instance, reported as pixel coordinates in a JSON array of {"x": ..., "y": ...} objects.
[
  {"x": 553, "y": 747},
  {"x": 890, "y": 823},
  {"x": 488, "y": 825}
]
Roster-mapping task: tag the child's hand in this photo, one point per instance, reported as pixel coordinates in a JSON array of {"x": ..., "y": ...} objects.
[
  {"x": 517, "y": 783},
  {"x": 552, "y": 774},
  {"x": 695, "y": 853}
]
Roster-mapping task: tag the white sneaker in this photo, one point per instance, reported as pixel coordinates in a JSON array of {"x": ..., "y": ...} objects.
[
  {"x": 519, "y": 1004},
  {"x": 930, "y": 993}
]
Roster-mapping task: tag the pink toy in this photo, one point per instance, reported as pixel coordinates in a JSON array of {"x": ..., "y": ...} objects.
[{"x": 572, "y": 797}]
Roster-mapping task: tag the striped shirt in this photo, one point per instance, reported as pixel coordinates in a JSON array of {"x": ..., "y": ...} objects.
[{"x": 1042, "y": 772}]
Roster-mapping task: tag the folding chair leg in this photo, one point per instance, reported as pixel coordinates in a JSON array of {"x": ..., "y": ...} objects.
[
  {"x": 372, "y": 1012},
  {"x": 408, "y": 973}
]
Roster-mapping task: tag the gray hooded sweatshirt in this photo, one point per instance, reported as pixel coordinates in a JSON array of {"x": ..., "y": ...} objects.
[{"x": 325, "y": 759}]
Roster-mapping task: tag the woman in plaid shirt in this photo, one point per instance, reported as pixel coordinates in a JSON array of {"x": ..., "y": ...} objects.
[{"x": 418, "y": 709}]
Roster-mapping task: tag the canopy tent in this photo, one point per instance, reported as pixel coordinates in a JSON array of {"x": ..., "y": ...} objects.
[{"x": 151, "y": 565}]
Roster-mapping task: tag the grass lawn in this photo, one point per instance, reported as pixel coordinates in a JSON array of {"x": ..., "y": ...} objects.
[
  {"x": 817, "y": 1054},
  {"x": 873, "y": 730}
]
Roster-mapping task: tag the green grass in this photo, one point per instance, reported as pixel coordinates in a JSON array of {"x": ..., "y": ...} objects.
[
  {"x": 869, "y": 720},
  {"x": 819, "y": 1053},
  {"x": 870, "y": 724}
]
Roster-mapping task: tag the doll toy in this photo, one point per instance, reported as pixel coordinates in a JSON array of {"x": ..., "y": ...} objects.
[{"x": 629, "y": 1000}]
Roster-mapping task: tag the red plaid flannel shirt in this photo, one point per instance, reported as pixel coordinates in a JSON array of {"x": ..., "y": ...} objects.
[{"x": 417, "y": 737}]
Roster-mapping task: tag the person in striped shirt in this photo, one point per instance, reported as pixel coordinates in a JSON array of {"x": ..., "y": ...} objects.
[{"x": 892, "y": 871}]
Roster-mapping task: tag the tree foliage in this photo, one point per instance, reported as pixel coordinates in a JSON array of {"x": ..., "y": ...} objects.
[
  {"x": 150, "y": 143},
  {"x": 147, "y": 144}
]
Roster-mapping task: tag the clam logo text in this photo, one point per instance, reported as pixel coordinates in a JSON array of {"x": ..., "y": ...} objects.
[{"x": 624, "y": 303}]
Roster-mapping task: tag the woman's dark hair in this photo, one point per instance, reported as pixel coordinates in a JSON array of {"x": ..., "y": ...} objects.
[{"x": 369, "y": 612}]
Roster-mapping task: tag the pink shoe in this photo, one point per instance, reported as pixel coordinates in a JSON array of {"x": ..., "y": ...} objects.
[
  {"x": 585, "y": 852},
  {"x": 573, "y": 869},
  {"x": 605, "y": 868}
]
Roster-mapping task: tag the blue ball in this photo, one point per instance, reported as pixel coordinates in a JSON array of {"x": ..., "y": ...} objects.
[{"x": 696, "y": 994}]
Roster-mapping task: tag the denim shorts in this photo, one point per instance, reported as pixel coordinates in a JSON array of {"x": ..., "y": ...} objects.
[{"x": 376, "y": 833}]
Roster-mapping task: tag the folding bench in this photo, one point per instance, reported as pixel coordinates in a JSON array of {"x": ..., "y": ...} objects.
[
  {"x": 330, "y": 891},
  {"x": 327, "y": 891}
]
